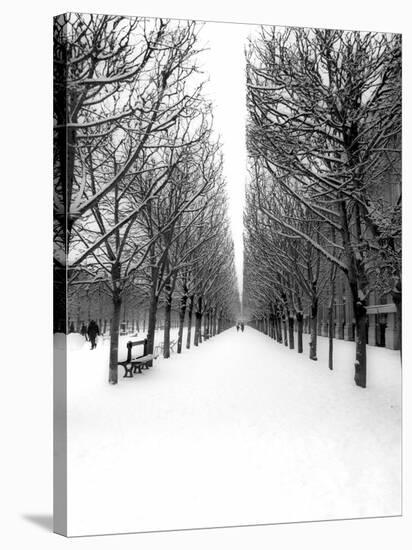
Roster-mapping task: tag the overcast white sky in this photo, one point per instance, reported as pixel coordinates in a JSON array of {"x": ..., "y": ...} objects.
[{"x": 225, "y": 63}]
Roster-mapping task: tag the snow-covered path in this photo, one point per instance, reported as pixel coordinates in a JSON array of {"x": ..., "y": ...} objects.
[{"x": 238, "y": 431}]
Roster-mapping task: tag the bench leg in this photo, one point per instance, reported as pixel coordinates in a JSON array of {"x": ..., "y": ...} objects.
[
  {"x": 128, "y": 372},
  {"x": 138, "y": 367}
]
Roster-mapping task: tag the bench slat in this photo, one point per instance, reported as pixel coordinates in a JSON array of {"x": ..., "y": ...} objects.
[
  {"x": 143, "y": 359},
  {"x": 136, "y": 343}
]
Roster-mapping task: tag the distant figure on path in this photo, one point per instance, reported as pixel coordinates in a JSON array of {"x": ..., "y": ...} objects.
[
  {"x": 237, "y": 327},
  {"x": 93, "y": 331},
  {"x": 83, "y": 331},
  {"x": 242, "y": 326}
]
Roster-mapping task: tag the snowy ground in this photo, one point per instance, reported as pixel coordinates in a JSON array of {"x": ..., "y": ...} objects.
[{"x": 238, "y": 431}]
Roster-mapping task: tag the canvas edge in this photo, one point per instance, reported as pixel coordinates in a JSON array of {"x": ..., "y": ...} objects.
[{"x": 60, "y": 523}]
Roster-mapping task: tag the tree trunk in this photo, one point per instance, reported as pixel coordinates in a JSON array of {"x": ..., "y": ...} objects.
[
  {"x": 114, "y": 338},
  {"x": 285, "y": 330},
  {"x": 198, "y": 319},
  {"x": 331, "y": 321},
  {"x": 291, "y": 323},
  {"x": 166, "y": 330},
  {"x": 214, "y": 322},
  {"x": 313, "y": 329},
  {"x": 299, "y": 318},
  {"x": 189, "y": 321},
  {"x": 182, "y": 313},
  {"x": 397, "y": 300},
  {"x": 198, "y": 324},
  {"x": 358, "y": 283},
  {"x": 206, "y": 325},
  {"x": 279, "y": 328},
  {"x": 151, "y": 324},
  {"x": 361, "y": 316}
]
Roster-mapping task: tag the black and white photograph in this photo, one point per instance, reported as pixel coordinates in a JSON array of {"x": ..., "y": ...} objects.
[{"x": 227, "y": 274}]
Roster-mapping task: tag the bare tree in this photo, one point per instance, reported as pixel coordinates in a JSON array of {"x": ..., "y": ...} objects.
[
  {"x": 325, "y": 112},
  {"x": 116, "y": 81}
]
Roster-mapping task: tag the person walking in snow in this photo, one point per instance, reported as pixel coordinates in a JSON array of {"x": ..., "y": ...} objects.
[
  {"x": 242, "y": 326},
  {"x": 93, "y": 331},
  {"x": 237, "y": 327}
]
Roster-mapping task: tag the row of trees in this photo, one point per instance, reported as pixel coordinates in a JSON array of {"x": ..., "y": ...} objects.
[
  {"x": 324, "y": 196},
  {"x": 140, "y": 206}
]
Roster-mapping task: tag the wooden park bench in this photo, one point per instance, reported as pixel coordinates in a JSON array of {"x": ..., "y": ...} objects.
[{"x": 133, "y": 364}]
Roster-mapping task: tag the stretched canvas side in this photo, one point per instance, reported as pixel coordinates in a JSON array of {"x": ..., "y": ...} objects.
[{"x": 60, "y": 324}]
